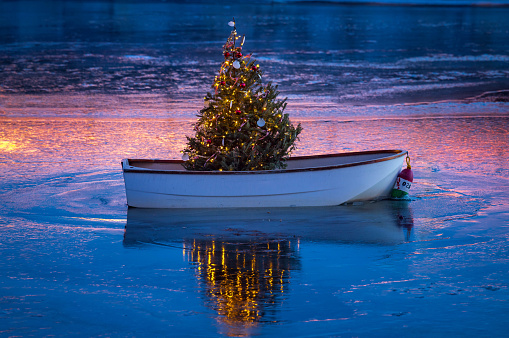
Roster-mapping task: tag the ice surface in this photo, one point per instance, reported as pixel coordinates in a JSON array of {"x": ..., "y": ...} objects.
[
  {"x": 106, "y": 81},
  {"x": 69, "y": 242}
]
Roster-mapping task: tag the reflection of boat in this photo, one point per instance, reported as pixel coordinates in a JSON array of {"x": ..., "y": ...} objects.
[
  {"x": 321, "y": 180},
  {"x": 244, "y": 257},
  {"x": 382, "y": 222}
]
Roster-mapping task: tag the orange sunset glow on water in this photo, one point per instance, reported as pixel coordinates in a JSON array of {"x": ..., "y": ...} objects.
[
  {"x": 72, "y": 142},
  {"x": 86, "y": 84}
]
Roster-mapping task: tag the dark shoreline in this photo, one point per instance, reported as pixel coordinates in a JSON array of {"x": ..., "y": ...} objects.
[
  {"x": 479, "y": 4},
  {"x": 493, "y": 96}
]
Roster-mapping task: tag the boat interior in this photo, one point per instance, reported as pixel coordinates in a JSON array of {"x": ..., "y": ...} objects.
[{"x": 294, "y": 163}]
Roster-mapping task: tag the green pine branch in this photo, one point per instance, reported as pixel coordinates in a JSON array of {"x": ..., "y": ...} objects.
[{"x": 242, "y": 125}]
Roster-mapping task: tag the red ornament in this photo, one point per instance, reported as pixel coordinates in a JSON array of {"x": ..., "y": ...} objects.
[
  {"x": 238, "y": 111},
  {"x": 226, "y": 54},
  {"x": 239, "y": 55},
  {"x": 209, "y": 141},
  {"x": 254, "y": 68},
  {"x": 223, "y": 83},
  {"x": 242, "y": 85}
]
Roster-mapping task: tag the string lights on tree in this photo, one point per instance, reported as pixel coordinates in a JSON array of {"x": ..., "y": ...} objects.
[{"x": 242, "y": 125}]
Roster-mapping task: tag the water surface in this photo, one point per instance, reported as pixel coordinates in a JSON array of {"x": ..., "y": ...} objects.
[{"x": 85, "y": 84}]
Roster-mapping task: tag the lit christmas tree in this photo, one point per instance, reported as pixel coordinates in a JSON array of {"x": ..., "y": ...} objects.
[{"x": 242, "y": 126}]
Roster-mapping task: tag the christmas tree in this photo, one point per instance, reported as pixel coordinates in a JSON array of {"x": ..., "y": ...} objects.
[{"x": 242, "y": 126}]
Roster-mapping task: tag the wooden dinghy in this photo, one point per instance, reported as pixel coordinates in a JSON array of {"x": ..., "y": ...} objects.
[{"x": 320, "y": 180}]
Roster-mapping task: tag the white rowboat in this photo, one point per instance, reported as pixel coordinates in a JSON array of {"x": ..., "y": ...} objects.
[{"x": 320, "y": 180}]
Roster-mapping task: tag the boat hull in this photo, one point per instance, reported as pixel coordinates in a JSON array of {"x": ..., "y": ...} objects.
[{"x": 324, "y": 180}]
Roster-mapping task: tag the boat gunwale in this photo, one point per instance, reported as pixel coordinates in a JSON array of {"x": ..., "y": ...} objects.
[{"x": 133, "y": 169}]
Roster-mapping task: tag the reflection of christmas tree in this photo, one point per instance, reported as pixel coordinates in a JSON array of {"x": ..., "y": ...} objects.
[
  {"x": 242, "y": 126},
  {"x": 244, "y": 281}
]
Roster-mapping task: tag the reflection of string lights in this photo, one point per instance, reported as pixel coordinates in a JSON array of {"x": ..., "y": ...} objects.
[{"x": 242, "y": 280}]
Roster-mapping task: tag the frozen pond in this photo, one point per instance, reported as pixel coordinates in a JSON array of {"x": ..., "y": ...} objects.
[{"x": 85, "y": 84}]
